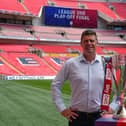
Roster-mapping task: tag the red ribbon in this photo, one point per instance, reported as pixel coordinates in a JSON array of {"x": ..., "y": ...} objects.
[{"x": 107, "y": 87}]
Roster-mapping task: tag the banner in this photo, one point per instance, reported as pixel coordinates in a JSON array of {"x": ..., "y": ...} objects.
[
  {"x": 69, "y": 17},
  {"x": 28, "y": 77}
]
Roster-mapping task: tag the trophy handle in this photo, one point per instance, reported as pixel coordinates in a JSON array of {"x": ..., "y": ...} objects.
[{"x": 122, "y": 113}]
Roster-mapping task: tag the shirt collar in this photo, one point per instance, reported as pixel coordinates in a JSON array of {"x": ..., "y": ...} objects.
[{"x": 97, "y": 59}]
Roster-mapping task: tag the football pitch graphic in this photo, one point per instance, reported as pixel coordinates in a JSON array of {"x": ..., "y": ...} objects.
[{"x": 24, "y": 104}]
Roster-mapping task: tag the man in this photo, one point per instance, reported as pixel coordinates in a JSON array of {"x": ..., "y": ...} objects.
[{"x": 86, "y": 76}]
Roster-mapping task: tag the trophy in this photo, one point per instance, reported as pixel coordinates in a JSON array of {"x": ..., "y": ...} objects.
[{"x": 118, "y": 63}]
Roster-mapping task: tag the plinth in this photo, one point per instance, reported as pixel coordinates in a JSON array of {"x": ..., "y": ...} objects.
[{"x": 108, "y": 120}]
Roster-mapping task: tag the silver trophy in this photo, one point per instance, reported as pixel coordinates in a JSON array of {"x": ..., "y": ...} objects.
[{"x": 119, "y": 86}]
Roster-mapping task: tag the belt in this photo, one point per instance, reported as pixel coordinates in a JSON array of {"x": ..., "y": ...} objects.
[{"x": 88, "y": 114}]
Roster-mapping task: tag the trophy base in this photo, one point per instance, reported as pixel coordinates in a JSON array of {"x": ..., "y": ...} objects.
[
  {"x": 120, "y": 114},
  {"x": 116, "y": 117}
]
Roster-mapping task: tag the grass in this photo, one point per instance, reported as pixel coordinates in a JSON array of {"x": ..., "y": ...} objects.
[
  {"x": 29, "y": 103},
  {"x": 44, "y": 84}
]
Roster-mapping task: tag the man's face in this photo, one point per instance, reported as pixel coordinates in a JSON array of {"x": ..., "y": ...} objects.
[{"x": 88, "y": 44}]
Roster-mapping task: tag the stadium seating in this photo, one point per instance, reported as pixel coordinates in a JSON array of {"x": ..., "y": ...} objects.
[
  {"x": 15, "y": 31},
  {"x": 5, "y": 69},
  {"x": 102, "y": 7},
  {"x": 110, "y": 50},
  {"x": 13, "y": 27},
  {"x": 16, "y": 35},
  {"x": 17, "y": 59},
  {"x": 119, "y": 8},
  {"x": 110, "y": 38},
  {"x": 28, "y": 64},
  {"x": 55, "y": 33},
  {"x": 74, "y": 33},
  {"x": 14, "y": 48},
  {"x": 45, "y": 29},
  {"x": 60, "y": 49},
  {"x": 66, "y": 3},
  {"x": 52, "y": 48},
  {"x": 49, "y": 32},
  {"x": 34, "y": 5},
  {"x": 11, "y": 6},
  {"x": 55, "y": 62},
  {"x": 48, "y": 36},
  {"x": 52, "y": 63}
]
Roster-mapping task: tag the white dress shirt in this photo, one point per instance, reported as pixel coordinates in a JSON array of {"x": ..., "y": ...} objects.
[{"x": 86, "y": 82}]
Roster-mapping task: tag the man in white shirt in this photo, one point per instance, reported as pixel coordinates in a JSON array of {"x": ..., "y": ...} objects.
[{"x": 86, "y": 76}]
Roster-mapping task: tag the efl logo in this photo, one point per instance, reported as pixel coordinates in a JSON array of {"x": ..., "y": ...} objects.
[
  {"x": 27, "y": 61},
  {"x": 106, "y": 99},
  {"x": 108, "y": 74},
  {"x": 57, "y": 61}
]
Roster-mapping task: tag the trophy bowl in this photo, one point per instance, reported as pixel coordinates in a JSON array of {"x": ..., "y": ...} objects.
[{"x": 118, "y": 63}]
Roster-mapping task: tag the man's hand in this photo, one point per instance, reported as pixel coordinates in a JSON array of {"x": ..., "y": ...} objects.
[
  {"x": 69, "y": 113},
  {"x": 110, "y": 111}
]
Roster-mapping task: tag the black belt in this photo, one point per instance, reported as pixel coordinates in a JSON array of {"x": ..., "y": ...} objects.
[{"x": 88, "y": 114}]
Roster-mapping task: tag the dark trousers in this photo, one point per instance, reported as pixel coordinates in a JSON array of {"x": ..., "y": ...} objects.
[{"x": 85, "y": 119}]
